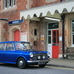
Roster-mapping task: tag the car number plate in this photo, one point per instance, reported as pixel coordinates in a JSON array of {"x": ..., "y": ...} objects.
[{"x": 39, "y": 63}]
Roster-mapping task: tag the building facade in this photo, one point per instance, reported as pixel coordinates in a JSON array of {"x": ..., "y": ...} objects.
[{"x": 47, "y": 24}]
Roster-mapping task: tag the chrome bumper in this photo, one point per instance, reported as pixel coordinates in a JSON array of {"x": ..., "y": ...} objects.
[{"x": 36, "y": 61}]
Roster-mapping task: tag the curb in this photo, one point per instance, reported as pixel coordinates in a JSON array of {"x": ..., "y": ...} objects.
[{"x": 60, "y": 65}]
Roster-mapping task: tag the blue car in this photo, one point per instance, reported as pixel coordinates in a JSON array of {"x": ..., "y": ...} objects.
[{"x": 22, "y": 54}]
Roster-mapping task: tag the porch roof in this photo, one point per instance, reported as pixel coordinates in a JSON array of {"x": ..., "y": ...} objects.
[{"x": 51, "y": 10}]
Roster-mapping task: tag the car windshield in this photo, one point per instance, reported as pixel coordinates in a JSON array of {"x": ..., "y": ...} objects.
[{"x": 22, "y": 46}]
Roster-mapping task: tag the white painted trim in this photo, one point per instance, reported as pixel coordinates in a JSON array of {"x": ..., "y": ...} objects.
[
  {"x": 51, "y": 7},
  {"x": 49, "y": 45},
  {"x": 51, "y": 39}
]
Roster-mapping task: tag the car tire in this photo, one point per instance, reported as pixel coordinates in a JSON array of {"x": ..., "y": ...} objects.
[
  {"x": 42, "y": 65},
  {"x": 21, "y": 63}
]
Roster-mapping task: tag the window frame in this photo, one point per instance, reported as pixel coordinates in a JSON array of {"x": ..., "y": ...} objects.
[{"x": 9, "y": 3}]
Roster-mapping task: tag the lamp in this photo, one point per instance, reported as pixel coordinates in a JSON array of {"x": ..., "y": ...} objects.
[{"x": 49, "y": 18}]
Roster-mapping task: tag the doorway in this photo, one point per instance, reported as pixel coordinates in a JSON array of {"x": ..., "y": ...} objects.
[
  {"x": 55, "y": 43},
  {"x": 17, "y": 35},
  {"x": 53, "y": 39}
]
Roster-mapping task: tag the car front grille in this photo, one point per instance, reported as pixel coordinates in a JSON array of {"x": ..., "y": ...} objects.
[{"x": 40, "y": 56}]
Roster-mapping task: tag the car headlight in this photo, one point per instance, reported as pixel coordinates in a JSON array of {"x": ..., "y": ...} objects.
[
  {"x": 31, "y": 54},
  {"x": 48, "y": 54},
  {"x": 39, "y": 57},
  {"x": 43, "y": 57}
]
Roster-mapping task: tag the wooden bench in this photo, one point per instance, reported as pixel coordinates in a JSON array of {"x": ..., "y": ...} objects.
[{"x": 69, "y": 52}]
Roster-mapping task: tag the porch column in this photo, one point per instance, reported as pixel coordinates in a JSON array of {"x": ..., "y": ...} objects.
[{"x": 0, "y": 31}]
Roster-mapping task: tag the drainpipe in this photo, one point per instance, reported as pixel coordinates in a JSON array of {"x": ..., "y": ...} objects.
[{"x": 63, "y": 41}]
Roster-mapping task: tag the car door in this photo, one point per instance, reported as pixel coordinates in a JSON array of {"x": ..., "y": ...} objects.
[
  {"x": 10, "y": 53},
  {"x": 2, "y": 47}
]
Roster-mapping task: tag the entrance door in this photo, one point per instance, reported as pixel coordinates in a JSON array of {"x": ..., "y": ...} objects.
[
  {"x": 17, "y": 35},
  {"x": 55, "y": 43},
  {"x": 53, "y": 39}
]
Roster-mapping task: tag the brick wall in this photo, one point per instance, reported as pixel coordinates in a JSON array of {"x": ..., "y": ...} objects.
[
  {"x": 68, "y": 29},
  {"x": 21, "y": 4},
  {"x": 41, "y": 30},
  {"x": 36, "y": 3},
  {"x": 6, "y": 33},
  {"x": 34, "y": 25},
  {"x": 13, "y": 12},
  {"x": 0, "y": 5}
]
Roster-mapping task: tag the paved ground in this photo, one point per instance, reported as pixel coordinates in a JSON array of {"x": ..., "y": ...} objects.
[
  {"x": 62, "y": 62},
  {"x": 13, "y": 69}
]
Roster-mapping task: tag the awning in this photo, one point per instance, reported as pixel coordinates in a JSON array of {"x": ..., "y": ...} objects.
[{"x": 51, "y": 10}]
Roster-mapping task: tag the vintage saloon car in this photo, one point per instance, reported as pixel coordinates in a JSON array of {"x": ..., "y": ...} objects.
[{"x": 22, "y": 54}]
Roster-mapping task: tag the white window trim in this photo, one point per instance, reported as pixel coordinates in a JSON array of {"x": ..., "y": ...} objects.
[{"x": 13, "y": 3}]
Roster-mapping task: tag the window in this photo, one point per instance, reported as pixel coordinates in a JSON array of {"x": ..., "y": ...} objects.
[
  {"x": 5, "y": 3},
  {"x": 9, "y": 3},
  {"x": 49, "y": 36},
  {"x": 35, "y": 32},
  {"x": 2, "y": 46},
  {"x": 48, "y": 1},
  {"x": 9, "y": 46},
  {"x": 13, "y": 2},
  {"x": 54, "y": 25}
]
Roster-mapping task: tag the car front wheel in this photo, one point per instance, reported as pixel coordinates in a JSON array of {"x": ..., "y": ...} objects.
[{"x": 21, "y": 63}]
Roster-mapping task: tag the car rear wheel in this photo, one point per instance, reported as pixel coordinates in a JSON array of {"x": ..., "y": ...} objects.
[
  {"x": 21, "y": 63},
  {"x": 42, "y": 65}
]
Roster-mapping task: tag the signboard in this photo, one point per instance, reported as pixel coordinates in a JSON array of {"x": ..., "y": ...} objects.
[
  {"x": 42, "y": 37},
  {"x": 23, "y": 36},
  {"x": 15, "y": 22},
  {"x": 60, "y": 38}
]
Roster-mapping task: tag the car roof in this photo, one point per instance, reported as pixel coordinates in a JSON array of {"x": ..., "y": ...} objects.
[{"x": 14, "y": 42}]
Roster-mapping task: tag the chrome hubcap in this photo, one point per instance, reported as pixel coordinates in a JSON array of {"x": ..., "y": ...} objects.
[{"x": 20, "y": 63}]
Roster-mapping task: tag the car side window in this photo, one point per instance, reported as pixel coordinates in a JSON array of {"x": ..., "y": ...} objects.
[
  {"x": 9, "y": 46},
  {"x": 2, "y": 46},
  {"x": 19, "y": 46}
]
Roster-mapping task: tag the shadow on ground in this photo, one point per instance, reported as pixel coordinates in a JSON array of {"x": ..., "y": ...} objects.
[{"x": 15, "y": 66}]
